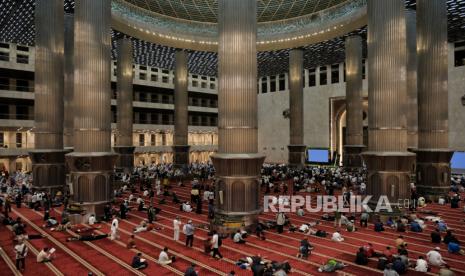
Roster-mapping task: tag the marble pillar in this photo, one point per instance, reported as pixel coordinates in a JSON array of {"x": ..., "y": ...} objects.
[
  {"x": 388, "y": 162},
  {"x": 91, "y": 163},
  {"x": 124, "y": 120},
  {"x": 181, "y": 100},
  {"x": 354, "y": 103},
  {"x": 296, "y": 146},
  {"x": 433, "y": 153},
  {"x": 68, "y": 122},
  {"x": 412, "y": 116},
  {"x": 237, "y": 162},
  {"x": 48, "y": 157}
]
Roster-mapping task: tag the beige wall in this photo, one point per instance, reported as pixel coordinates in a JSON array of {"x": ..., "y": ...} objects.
[{"x": 273, "y": 134}]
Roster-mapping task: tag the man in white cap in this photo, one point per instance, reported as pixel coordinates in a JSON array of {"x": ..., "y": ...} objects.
[
  {"x": 188, "y": 230},
  {"x": 435, "y": 258}
]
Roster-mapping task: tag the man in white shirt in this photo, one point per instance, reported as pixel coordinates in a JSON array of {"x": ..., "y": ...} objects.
[
  {"x": 215, "y": 245},
  {"x": 163, "y": 258},
  {"x": 21, "y": 253},
  {"x": 44, "y": 256},
  {"x": 176, "y": 228},
  {"x": 337, "y": 237},
  {"x": 92, "y": 219},
  {"x": 186, "y": 207},
  {"x": 435, "y": 258},
  {"x": 421, "y": 265},
  {"x": 238, "y": 237},
  {"x": 114, "y": 229},
  {"x": 303, "y": 228}
]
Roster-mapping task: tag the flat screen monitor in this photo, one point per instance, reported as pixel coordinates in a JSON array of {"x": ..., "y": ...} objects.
[
  {"x": 318, "y": 155},
  {"x": 458, "y": 160}
]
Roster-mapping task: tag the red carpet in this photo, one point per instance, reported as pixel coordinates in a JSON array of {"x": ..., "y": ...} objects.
[{"x": 112, "y": 257}]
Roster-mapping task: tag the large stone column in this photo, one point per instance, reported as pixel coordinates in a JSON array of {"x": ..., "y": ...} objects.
[
  {"x": 433, "y": 154},
  {"x": 388, "y": 161},
  {"x": 91, "y": 163},
  {"x": 412, "y": 110},
  {"x": 354, "y": 103},
  {"x": 181, "y": 100},
  {"x": 68, "y": 130},
  {"x": 48, "y": 164},
  {"x": 296, "y": 107},
  {"x": 237, "y": 162},
  {"x": 124, "y": 145}
]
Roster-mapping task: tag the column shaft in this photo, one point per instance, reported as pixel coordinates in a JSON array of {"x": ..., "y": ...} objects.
[
  {"x": 354, "y": 102},
  {"x": 124, "y": 145},
  {"x": 91, "y": 163},
  {"x": 92, "y": 96},
  {"x": 237, "y": 162},
  {"x": 412, "y": 110},
  {"x": 48, "y": 156},
  {"x": 48, "y": 78},
  {"x": 296, "y": 108},
  {"x": 68, "y": 127},
  {"x": 181, "y": 100},
  {"x": 433, "y": 155},
  {"x": 388, "y": 161}
]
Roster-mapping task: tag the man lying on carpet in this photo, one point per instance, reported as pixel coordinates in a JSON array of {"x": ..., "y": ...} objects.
[
  {"x": 87, "y": 237},
  {"x": 331, "y": 266}
]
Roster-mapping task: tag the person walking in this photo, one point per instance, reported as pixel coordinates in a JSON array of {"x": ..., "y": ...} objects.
[
  {"x": 21, "y": 253},
  {"x": 216, "y": 243}
]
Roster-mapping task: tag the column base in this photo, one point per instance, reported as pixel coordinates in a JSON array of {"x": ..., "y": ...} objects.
[
  {"x": 48, "y": 170},
  {"x": 296, "y": 155},
  {"x": 125, "y": 160},
  {"x": 80, "y": 212},
  {"x": 389, "y": 177},
  {"x": 352, "y": 156},
  {"x": 181, "y": 156},
  {"x": 433, "y": 172},
  {"x": 91, "y": 179},
  {"x": 237, "y": 191}
]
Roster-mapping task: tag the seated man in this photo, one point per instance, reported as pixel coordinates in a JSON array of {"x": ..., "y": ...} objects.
[
  {"x": 435, "y": 258},
  {"x": 441, "y": 226},
  {"x": 238, "y": 237},
  {"x": 131, "y": 242},
  {"x": 421, "y": 265},
  {"x": 164, "y": 258},
  {"x": 454, "y": 248},
  {"x": 45, "y": 255},
  {"x": 350, "y": 227},
  {"x": 361, "y": 257},
  {"x": 449, "y": 237},
  {"x": 388, "y": 254},
  {"x": 436, "y": 236},
  {"x": 186, "y": 207},
  {"x": 337, "y": 237},
  {"x": 138, "y": 262},
  {"x": 379, "y": 227},
  {"x": 399, "y": 266},
  {"x": 400, "y": 242},
  {"x": 415, "y": 227}
]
